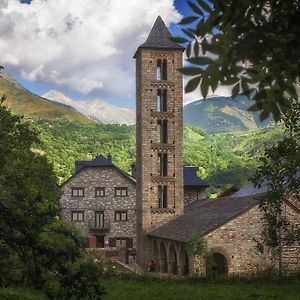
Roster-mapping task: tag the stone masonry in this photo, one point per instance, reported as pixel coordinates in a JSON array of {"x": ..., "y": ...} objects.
[
  {"x": 148, "y": 56},
  {"x": 110, "y": 178}
]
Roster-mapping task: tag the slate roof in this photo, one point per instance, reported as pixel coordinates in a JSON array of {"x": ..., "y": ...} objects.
[
  {"x": 159, "y": 37},
  {"x": 202, "y": 218},
  {"x": 191, "y": 178},
  {"x": 250, "y": 190},
  {"x": 98, "y": 161}
]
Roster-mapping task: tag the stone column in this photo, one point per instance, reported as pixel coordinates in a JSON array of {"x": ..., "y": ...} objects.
[
  {"x": 181, "y": 269},
  {"x": 170, "y": 267}
]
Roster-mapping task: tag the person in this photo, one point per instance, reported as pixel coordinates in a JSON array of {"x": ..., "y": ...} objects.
[{"x": 151, "y": 266}]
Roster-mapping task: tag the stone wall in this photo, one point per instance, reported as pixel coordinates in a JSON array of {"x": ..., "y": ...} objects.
[
  {"x": 235, "y": 240},
  {"x": 108, "y": 177},
  {"x": 148, "y": 147},
  {"x": 192, "y": 194}
]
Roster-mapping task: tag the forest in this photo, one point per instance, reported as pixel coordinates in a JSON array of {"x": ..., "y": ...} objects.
[{"x": 223, "y": 159}]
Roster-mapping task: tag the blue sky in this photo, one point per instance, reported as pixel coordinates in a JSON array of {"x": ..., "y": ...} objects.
[{"x": 81, "y": 48}]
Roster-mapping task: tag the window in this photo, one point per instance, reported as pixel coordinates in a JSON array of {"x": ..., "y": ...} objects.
[
  {"x": 164, "y": 101},
  {"x": 78, "y": 192},
  {"x": 162, "y": 197},
  {"x": 99, "y": 219},
  {"x": 158, "y": 101},
  {"x": 121, "y": 216},
  {"x": 158, "y": 69},
  {"x": 120, "y": 243},
  {"x": 99, "y": 191},
  {"x": 161, "y": 69},
  {"x": 162, "y": 164},
  {"x": 162, "y": 132},
  {"x": 77, "y": 216},
  {"x": 121, "y": 191}
]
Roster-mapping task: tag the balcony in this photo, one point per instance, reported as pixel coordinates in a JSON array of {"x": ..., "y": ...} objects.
[{"x": 99, "y": 227}]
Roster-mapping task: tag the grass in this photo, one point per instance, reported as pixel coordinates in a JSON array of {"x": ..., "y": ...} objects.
[
  {"x": 123, "y": 289},
  {"x": 132, "y": 289},
  {"x": 20, "y": 294}
]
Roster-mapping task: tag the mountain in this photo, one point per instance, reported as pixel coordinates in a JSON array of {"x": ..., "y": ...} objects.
[
  {"x": 223, "y": 114},
  {"x": 23, "y": 102},
  {"x": 96, "y": 109}
]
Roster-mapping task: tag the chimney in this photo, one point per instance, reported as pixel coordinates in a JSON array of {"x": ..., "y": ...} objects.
[
  {"x": 133, "y": 170},
  {"x": 109, "y": 157}
]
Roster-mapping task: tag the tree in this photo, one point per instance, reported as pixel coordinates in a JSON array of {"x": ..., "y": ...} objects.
[
  {"x": 279, "y": 169},
  {"x": 45, "y": 249},
  {"x": 253, "y": 46},
  {"x": 250, "y": 45}
]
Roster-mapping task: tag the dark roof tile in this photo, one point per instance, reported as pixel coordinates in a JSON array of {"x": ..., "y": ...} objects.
[
  {"x": 160, "y": 37},
  {"x": 191, "y": 178},
  {"x": 208, "y": 215}
]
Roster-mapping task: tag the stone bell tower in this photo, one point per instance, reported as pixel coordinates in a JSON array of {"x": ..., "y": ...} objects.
[{"x": 159, "y": 134}]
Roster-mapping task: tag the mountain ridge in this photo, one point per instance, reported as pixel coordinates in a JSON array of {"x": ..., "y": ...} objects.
[{"x": 95, "y": 109}]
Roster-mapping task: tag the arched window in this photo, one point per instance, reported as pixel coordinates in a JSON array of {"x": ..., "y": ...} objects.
[
  {"x": 159, "y": 106},
  {"x": 165, "y": 132},
  {"x": 159, "y": 70},
  {"x": 164, "y": 101},
  {"x": 162, "y": 196},
  {"x": 162, "y": 164},
  {"x": 164, "y": 70}
]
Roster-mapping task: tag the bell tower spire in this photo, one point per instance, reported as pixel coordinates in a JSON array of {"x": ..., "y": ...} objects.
[{"x": 159, "y": 134}]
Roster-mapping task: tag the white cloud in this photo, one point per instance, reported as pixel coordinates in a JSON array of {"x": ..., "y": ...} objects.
[{"x": 83, "y": 45}]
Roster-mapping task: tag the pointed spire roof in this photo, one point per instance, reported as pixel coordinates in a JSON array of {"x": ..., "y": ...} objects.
[{"x": 159, "y": 37}]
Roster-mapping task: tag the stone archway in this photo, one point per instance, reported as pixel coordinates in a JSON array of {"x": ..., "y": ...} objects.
[
  {"x": 183, "y": 262},
  {"x": 155, "y": 254},
  {"x": 172, "y": 260},
  {"x": 162, "y": 257},
  {"x": 221, "y": 264}
]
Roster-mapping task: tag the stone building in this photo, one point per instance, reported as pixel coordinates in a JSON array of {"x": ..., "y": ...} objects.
[
  {"x": 159, "y": 134},
  {"x": 167, "y": 217},
  {"x": 101, "y": 198}
]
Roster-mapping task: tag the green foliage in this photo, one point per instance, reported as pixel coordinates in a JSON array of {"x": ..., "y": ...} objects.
[
  {"x": 252, "y": 46},
  {"x": 224, "y": 159},
  {"x": 197, "y": 245},
  {"x": 32, "y": 239},
  {"x": 279, "y": 167}
]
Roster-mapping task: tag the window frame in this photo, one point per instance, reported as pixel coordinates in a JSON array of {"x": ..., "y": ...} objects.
[
  {"x": 77, "y": 212},
  {"x": 121, "y": 213},
  {"x": 99, "y": 189},
  {"x": 121, "y": 189},
  {"x": 77, "y": 189}
]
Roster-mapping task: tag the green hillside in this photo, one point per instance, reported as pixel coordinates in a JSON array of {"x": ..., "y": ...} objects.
[
  {"x": 23, "y": 102},
  {"x": 224, "y": 159},
  {"x": 223, "y": 114}
]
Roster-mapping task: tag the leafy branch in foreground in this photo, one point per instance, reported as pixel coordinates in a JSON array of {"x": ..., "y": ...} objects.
[{"x": 252, "y": 46}]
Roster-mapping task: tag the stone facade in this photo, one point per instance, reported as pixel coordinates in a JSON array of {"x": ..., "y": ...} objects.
[
  {"x": 193, "y": 194},
  {"x": 235, "y": 241},
  {"x": 109, "y": 231}
]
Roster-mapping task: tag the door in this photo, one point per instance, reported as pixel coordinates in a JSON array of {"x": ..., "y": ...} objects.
[
  {"x": 99, "y": 219},
  {"x": 100, "y": 241}
]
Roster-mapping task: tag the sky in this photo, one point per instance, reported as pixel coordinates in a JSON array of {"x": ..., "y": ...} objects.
[{"x": 82, "y": 48}]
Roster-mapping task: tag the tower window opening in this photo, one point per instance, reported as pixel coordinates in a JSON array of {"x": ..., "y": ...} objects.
[
  {"x": 162, "y": 132},
  {"x": 158, "y": 101},
  {"x": 162, "y": 196},
  {"x": 164, "y": 101},
  {"x": 165, "y": 132},
  {"x": 164, "y": 70},
  {"x": 159, "y": 70},
  {"x": 162, "y": 164}
]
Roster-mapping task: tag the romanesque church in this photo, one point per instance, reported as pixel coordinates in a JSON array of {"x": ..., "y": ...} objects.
[{"x": 154, "y": 211}]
